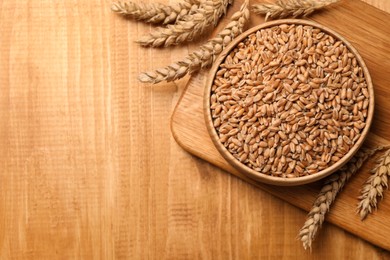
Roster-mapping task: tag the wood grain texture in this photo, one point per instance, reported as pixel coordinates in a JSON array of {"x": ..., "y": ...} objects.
[{"x": 88, "y": 165}]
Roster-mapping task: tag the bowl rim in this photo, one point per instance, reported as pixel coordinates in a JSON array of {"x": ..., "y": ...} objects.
[{"x": 258, "y": 176}]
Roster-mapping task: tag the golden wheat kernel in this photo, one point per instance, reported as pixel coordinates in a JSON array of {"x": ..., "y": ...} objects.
[{"x": 280, "y": 97}]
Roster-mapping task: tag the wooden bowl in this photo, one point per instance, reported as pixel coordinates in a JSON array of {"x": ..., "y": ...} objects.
[{"x": 262, "y": 177}]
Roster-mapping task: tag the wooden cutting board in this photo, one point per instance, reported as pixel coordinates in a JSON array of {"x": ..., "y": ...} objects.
[{"x": 368, "y": 29}]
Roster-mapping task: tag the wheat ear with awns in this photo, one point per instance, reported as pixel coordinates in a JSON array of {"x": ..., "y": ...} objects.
[
  {"x": 188, "y": 27},
  {"x": 375, "y": 186},
  {"x": 155, "y": 13},
  {"x": 328, "y": 193},
  {"x": 205, "y": 55},
  {"x": 290, "y": 8}
]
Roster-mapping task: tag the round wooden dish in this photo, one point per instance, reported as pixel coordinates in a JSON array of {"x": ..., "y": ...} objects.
[{"x": 273, "y": 179}]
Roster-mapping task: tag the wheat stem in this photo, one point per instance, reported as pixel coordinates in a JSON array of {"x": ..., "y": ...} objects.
[
  {"x": 155, "y": 13},
  {"x": 328, "y": 193},
  {"x": 205, "y": 55},
  {"x": 374, "y": 186},
  {"x": 290, "y": 8},
  {"x": 189, "y": 26}
]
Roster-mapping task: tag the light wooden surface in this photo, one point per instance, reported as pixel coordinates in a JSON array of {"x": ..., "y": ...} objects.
[
  {"x": 88, "y": 165},
  {"x": 190, "y": 129}
]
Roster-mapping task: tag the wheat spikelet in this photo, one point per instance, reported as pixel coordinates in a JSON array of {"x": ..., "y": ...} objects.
[
  {"x": 189, "y": 26},
  {"x": 374, "y": 186},
  {"x": 290, "y": 8},
  {"x": 328, "y": 193},
  {"x": 205, "y": 55},
  {"x": 155, "y": 13}
]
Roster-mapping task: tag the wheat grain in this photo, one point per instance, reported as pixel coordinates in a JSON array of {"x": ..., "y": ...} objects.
[
  {"x": 290, "y": 8},
  {"x": 155, "y": 13},
  {"x": 328, "y": 193},
  {"x": 263, "y": 85},
  {"x": 205, "y": 55},
  {"x": 189, "y": 27},
  {"x": 374, "y": 186}
]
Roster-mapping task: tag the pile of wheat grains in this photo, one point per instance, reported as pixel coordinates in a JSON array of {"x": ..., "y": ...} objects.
[{"x": 289, "y": 100}]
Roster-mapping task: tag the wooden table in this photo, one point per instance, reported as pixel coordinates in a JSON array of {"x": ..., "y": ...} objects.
[{"x": 88, "y": 165}]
